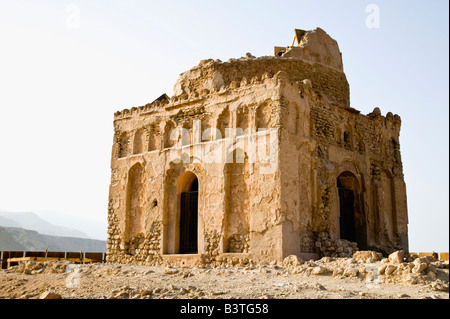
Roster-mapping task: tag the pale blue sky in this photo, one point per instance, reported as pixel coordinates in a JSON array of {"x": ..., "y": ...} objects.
[{"x": 61, "y": 80}]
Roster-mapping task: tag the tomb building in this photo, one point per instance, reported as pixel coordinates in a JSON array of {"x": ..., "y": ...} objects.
[{"x": 256, "y": 158}]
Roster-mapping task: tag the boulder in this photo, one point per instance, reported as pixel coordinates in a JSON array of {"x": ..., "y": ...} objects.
[
  {"x": 419, "y": 267},
  {"x": 421, "y": 260},
  {"x": 49, "y": 295},
  {"x": 146, "y": 292},
  {"x": 367, "y": 255},
  {"x": 338, "y": 271},
  {"x": 350, "y": 272},
  {"x": 170, "y": 271},
  {"x": 397, "y": 257},
  {"x": 382, "y": 269},
  {"x": 319, "y": 270},
  {"x": 389, "y": 269},
  {"x": 291, "y": 261}
]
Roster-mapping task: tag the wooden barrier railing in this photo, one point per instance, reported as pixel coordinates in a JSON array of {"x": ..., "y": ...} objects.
[
  {"x": 15, "y": 256},
  {"x": 100, "y": 257},
  {"x": 440, "y": 256}
]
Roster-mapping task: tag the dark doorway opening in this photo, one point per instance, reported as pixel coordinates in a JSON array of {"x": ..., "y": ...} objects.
[
  {"x": 347, "y": 213},
  {"x": 352, "y": 220},
  {"x": 189, "y": 220}
]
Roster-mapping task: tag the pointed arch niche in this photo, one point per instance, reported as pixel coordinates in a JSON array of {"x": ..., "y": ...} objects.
[
  {"x": 135, "y": 202},
  {"x": 237, "y": 203}
]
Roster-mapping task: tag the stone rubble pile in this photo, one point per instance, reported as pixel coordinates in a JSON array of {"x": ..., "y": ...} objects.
[
  {"x": 370, "y": 266},
  {"x": 32, "y": 267},
  {"x": 332, "y": 247},
  {"x": 127, "y": 292}
]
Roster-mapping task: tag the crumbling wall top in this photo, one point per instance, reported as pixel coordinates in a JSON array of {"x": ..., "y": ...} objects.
[
  {"x": 317, "y": 58},
  {"x": 314, "y": 46}
]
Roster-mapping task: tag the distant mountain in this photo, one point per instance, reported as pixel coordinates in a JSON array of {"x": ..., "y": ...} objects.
[
  {"x": 8, "y": 222},
  {"x": 14, "y": 238},
  {"x": 31, "y": 221},
  {"x": 94, "y": 227}
]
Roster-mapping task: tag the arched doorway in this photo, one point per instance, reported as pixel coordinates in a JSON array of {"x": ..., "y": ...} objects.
[
  {"x": 352, "y": 221},
  {"x": 188, "y": 192}
]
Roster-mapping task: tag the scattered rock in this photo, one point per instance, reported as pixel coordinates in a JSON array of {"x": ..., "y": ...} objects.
[
  {"x": 389, "y": 269},
  {"x": 350, "y": 272},
  {"x": 381, "y": 269},
  {"x": 412, "y": 280},
  {"x": 185, "y": 274},
  {"x": 327, "y": 259},
  {"x": 385, "y": 260},
  {"x": 319, "y": 287},
  {"x": 183, "y": 291},
  {"x": 419, "y": 267},
  {"x": 421, "y": 260},
  {"x": 319, "y": 270},
  {"x": 282, "y": 284},
  {"x": 216, "y": 293},
  {"x": 146, "y": 292},
  {"x": 431, "y": 275},
  {"x": 397, "y": 257},
  {"x": 440, "y": 285},
  {"x": 297, "y": 288},
  {"x": 49, "y": 295},
  {"x": 171, "y": 287},
  {"x": 291, "y": 261},
  {"x": 367, "y": 256},
  {"x": 157, "y": 290},
  {"x": 121, "y": 295},
  {"x": 338, "y": 271},
  {"x": 170, "y": 271}
]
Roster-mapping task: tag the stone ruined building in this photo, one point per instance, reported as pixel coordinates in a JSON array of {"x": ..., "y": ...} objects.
[{"x": 256, "y": 159}]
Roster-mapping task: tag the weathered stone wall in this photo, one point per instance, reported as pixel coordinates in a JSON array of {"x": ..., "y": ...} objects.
[
  {"x": 236, "y": 202},
  {"x": 368, "y": 147}
]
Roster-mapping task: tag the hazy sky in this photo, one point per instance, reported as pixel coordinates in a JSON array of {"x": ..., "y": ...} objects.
[{"x": 67, "y": 66}]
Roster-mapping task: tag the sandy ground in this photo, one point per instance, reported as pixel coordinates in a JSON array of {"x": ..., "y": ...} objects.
[{"x": 114, "y": 281}]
